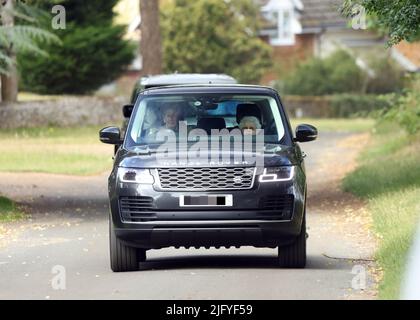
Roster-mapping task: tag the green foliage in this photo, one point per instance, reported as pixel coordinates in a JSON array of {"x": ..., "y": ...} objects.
[
  {"x": 337, "y": 73},
  {"x": 388, "y": 176},
  {"x": 385, "y": 169},
  {"x": 387, "y": 77},
  {"x": 400, "y": 18},
  {"x": 213, "y": 36},
  {"x": 406, "y": 111},
  {"x": 92, "y": 53},
  {"x": 25, "y": 36},
  {"x": 400, "y": 209},
  {"x": 405, "y": 108},
  {"x": 345, "y": 105},
  {"x": 9, "y": 211},
  {"x": 353, "y": 105}
]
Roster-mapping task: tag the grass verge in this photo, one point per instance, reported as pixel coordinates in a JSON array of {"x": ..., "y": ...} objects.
[
  {"x": 75, "y": 151},
  {"x": 9, "y": 211},
  {"x": 337, "y": 125},
  {"x": 388, "y": 176},
  {"x": 28, "y": 96}
]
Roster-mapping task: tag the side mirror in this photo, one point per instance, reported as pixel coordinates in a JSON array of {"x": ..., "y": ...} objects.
[
  {"x": 127, "y": 110},
  {"x": 110, "y": 135},
  {"x": 305, "y": 133}
]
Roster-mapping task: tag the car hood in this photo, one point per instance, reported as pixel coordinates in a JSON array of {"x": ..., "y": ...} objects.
[{"x": 146, "y": 157}]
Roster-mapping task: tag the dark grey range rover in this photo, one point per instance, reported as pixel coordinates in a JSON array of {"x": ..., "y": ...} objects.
[{"x": 207, "y": 166}]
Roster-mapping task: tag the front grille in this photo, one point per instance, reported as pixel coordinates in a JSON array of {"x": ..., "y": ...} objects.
[
  {"x": 282, "y": 204},
  {"x": 224, "y": 178},
  {"x": 137, "y": 208}
]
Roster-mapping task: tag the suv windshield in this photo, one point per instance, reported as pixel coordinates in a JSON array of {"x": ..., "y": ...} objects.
[{"x": 161, "y": 117}]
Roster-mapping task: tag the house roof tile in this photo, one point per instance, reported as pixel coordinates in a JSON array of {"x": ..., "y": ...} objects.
[
  {"x": 316, "y": 14},
  {"x": 322, "y": 14}
]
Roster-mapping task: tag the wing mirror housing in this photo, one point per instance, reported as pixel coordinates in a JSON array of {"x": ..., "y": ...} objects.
[
  {"x": 110, "y": 135},
  {"x": 305, "y": 133}
]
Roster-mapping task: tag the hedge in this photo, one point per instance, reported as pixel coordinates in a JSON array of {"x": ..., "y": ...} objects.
[{"x": 336, "y": 106}]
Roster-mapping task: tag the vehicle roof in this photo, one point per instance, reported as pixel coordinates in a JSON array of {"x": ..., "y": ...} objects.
[
  {"x": 211, "y": 88},
  {"x": 187, "y": 78}
]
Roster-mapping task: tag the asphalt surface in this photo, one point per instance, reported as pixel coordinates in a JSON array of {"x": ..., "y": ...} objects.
[{"x": 69, "y": 229}]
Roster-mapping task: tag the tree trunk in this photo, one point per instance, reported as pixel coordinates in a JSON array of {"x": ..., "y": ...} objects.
[
  {"x": 150, "y": 43},
  {"x": 9, "y": 82}
]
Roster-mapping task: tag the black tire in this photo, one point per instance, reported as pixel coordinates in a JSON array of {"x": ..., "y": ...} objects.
[
  {"x": 123, "y": 257},
  {"x": 294, "y": 255}
]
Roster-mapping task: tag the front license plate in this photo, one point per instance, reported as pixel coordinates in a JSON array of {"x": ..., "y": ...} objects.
[{"x": 216, "y": 200}]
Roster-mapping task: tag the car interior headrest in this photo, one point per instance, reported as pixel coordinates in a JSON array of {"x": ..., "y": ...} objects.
[
  {"x": 247, "y": 110},
  {"x": 207, "y": 123}
]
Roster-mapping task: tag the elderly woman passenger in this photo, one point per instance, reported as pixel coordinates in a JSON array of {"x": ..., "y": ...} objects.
[{"x": 249, "y": 125}]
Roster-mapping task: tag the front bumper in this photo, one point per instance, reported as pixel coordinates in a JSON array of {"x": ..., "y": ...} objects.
[
  {"x": 243, "y": 224},
  {"x": 224, "y": 233}
]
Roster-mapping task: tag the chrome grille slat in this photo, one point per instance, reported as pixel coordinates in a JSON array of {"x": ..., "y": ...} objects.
[{"x": 211, "y": 178}]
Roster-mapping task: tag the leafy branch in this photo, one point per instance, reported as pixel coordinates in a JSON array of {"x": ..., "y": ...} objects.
[{"x": 25, "y": 37}]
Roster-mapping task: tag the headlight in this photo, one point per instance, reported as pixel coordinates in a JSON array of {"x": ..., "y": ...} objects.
[
  {"x": 142, "y": 176},
  {"x": 277, "y": 174}
]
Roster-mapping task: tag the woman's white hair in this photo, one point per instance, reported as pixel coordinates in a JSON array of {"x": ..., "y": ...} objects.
[{"x": 250, "y": 119}]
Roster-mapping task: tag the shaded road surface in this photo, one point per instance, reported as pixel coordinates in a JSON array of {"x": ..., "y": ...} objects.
[{"x": 69, "y": 228}]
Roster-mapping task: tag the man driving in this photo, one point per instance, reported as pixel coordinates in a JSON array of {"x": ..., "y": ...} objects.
[{"x": 172, "y": 114}]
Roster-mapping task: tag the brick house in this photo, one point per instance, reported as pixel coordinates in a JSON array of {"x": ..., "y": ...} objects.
[{"x": 298, "y": 29}]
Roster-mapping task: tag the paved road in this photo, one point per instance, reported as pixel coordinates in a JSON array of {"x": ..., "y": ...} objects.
[{"x": 69, "y": 228}]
